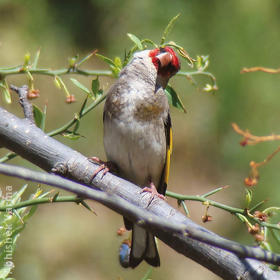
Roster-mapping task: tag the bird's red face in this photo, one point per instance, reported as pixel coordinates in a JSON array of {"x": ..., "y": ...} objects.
[{"x": 165, "y": 61}]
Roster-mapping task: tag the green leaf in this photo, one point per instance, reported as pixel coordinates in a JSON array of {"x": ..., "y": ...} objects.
[
  {"x": 10, "y": 227},
  {"x": 152, "y": 43},
  {"x": 118, "y": 62},
  {"x": 5, "y": 92},
  {"x": 174, "y": 98},
  {"x": 44, "y": 118},
  {"x": 202, "y": 62},
  {"x": 7, "y": 96},
  {"x": 168, "y": 28},
  {"x": 115, "y": 69},
  {"x": 27, "y": 57},
  {"x": 72, "y": 61},
  {"x": 95, "y": 86},
  {"x": 5, "y": 271},
  {"x": 135, "y": 40},
  {"x": 17, "y": 195},
  {"x": 248, "y": 198},
  {"x": 35, "y": 63},
  {"x": 81, "y": 86},
  {"x": 71, "y": 136},
  {"x": 38, "y": 116},
  {"x": 106, "y": 59}
]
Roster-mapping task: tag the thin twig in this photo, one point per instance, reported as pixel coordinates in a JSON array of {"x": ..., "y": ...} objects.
[
  {"x": 181, "y": 197},
  {"x": 43, "y": 200},
  {"x": 250, "y": 139},
  {"x": 258, "y": 68},
  {"x": 59, "y": 72},
  {"x": 230, "y": 209}
]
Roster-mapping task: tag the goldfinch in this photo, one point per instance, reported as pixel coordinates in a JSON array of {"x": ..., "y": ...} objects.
[{"x": 138, "y": 136}]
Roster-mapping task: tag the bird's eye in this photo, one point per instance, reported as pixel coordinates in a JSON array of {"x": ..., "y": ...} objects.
[{"x": 162, "y": 50}]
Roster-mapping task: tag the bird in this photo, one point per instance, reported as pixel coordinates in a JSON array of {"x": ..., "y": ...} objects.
[{"x": 138, "y": 135}]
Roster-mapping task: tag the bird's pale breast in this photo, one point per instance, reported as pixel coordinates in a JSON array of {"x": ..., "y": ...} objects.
[{"x": 137, "y": 148}]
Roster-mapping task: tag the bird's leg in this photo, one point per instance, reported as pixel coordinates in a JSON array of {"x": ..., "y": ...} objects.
[
  {"x": 105, "y": 166},
  {"x": 153, "y": 190}
]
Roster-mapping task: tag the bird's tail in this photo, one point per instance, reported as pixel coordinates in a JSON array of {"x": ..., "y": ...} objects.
[{"x": 143, "y": 247}]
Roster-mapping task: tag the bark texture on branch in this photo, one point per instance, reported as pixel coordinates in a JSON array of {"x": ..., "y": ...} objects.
[
  {"x": 31, "y": 143},
  {"x": 23, "y": 101}
]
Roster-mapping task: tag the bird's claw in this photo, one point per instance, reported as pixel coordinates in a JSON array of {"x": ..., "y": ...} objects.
[
  {"x": 104, "y": 167},
  {"x": 153, "y": 191}
]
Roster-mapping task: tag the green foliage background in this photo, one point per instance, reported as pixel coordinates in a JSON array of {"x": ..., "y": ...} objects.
[{"x": 68, "y": 242}]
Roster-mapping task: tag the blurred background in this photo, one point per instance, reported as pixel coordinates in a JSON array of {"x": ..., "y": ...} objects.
[{"x": 68, "y": 242}]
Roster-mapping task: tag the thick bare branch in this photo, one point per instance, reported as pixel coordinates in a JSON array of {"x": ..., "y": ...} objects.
[{"x": 31, "y": 143}]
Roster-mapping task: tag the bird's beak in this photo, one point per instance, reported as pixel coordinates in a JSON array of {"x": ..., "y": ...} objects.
[{"x": 164, "y": 58}]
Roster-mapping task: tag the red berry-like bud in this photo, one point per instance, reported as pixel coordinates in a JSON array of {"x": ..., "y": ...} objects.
[
  {"x": 33, "y": 93},
  {"x": 207, "y": 218},
  {"x": 121, "y": 231},
  {"x": 244, "y": 142},
  {"x": 261, "y": 216},
  {"x": 250, "y": 182},
  {"x": 70, "y": 99}
]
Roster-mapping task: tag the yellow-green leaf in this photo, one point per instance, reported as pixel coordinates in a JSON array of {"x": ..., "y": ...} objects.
[
  {"x": 27, "y": 57},
  {"x": 135, "y": 40},
  {"x": 106, "y": 59},
  {"x": 118, "y": 62},
  {"x": 95, "y": 86},
  {"x": 38, "y": 116},
  {"x": 36, "y": 59},
  {"x": 248, "y": 197},
  {"x": 81, "y": 86},
  {"x": 5, "y": 92},
  {"x": 71, "y": 136},
  {"x": 168, "y": 28},
  {"x": 174, "y": 99}
]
